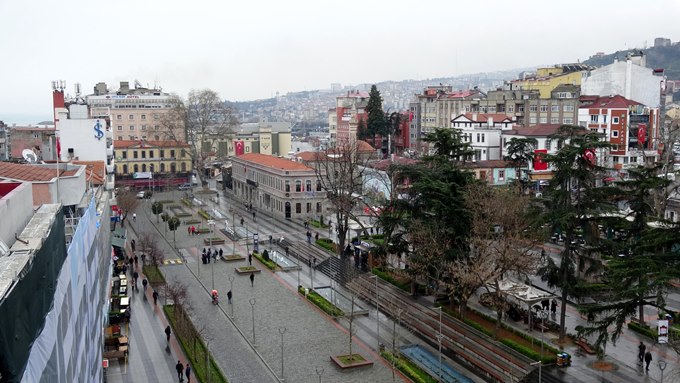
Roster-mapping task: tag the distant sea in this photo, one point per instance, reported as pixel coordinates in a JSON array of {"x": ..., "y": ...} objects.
[{"x": 23, "y": 119}]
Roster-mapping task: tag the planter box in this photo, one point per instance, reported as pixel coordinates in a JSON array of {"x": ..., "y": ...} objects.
[
  {"x": 213, "y": 241},
  {"x": 355, "y": 364},
  {"x": 231, "y": 258},
  {"x": 247, "y": 270}
]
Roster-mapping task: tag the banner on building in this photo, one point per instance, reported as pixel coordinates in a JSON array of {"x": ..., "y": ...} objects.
[
  {"x": 642, "y": 134},
  {"x": 539, "y": 159},
  {"x": 239, "y": 147},
  {"x": 663, "y": 331}
]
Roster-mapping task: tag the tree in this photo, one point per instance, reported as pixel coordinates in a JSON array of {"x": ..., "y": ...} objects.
[
  {"x": 573, "y": 205},
  {"x": 392, "y": 127},
  {"x": 340, "y": 173},
  {"x": 201, "y": 120},
  {"x": 500, "y": 242},
  {"x": 127, "y": 201},
  {"x": 148, "y": 245},
  {"x": 427, "y": 258},
  {"x": 156, "y": 209},
  {"x": 375, "y": 124},
  {"x": 520, "y": 152},
  {"x": 173, "y": 224}
]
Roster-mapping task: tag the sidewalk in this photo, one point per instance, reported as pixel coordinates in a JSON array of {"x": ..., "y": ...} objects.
[{"x": 150, "y": 358}]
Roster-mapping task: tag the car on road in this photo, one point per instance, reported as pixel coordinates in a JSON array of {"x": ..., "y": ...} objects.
[
  {"x": 186, "y": 186},
  {"x": 144, "y": 194}
]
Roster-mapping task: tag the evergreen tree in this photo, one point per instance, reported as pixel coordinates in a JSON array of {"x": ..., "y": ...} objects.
[
  {"x": 520, "y": 152},
  {"x": 375, "y": 124}
]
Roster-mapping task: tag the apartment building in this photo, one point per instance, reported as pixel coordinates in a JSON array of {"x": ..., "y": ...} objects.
[
  {"x": 349, "y": 110},
  {"x": 152, "y": 163},
  {"x": 548, "y": 78}
]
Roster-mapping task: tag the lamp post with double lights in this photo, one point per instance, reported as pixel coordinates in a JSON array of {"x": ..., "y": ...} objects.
[
  {"x": 252, "y": 305},
  {"x": 542, "y": 314},
  {"x": 662, "y": 366},
  {"x": 377, "y": 313},
  {"x": 282, "y": 330}
]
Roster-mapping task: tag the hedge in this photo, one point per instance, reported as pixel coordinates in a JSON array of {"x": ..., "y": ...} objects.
[
  {"x": 153, "y": 275},
  {"x": 271, "y": 265},
  {"x": 204, "y": 214},
  {"x": 187, "y": 202},
  {"x": 317, "y": 224},
  {"x": 549, "y": 357},
  {"x": 327, "y": 244},
  {"x": 405, "y": 286},
  {"x": 643, "y": 330},
  {"x": 196, "y": 354},
  {"x": 322, "y": 303},
  {"x": 410, "y": 369}
]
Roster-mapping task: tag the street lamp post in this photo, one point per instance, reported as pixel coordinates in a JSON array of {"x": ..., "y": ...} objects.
[
  {"x": 377, "y": 313},
  {"x": 282, "y": 330},
  {"x": 319, "y": 371},
  {"x": 542, "y": 314},
  {"x": 439, "y": 340},
  {"x": 252, "y": 305},
  {"x": 333, "y": 296},
  {"x": 211, "y": 223},
  {"x": 662, "y": 366},
  {"x": 231, "y": 289}
]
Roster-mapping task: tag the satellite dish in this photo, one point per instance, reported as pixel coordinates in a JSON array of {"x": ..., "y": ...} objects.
[{"x": 29, "y": 156}]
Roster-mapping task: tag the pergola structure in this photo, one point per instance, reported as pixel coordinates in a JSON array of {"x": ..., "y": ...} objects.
[{"x": 523, "y": 293}]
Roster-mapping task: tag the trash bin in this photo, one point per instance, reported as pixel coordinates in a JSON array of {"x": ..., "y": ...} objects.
[{"x": 563, "y": 359}]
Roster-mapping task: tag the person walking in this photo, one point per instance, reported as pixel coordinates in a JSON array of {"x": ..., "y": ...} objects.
[
  {"x": 648, "y": 360},
  {"x": 253, "y": 216},
  {"x": 553, "y": 306},
  {"x": 180, "y": 370},
  {"x": 641, "y": 353},
  {"x": 155, "y": 297},
  {"x": 136, "y": 258},
  {"x": 167, "y": 333},
  {"x": 229, "y": 296},
  {"x": 132, "y": 244},
  {"x": 316, "y": 236},
  {"x": 252, "y": 279},
  {"x": 250, "y": 259},
  {"x": 241, "y": 221},
  {"x": 144, "y": 283},
  {"x": 135, "y": 275},
  {"x": 221, "y": 252},
  {"x": 187, "y": 373},
  {"x": 214, "y": 255},
  {"x": 134, "y": 217}
]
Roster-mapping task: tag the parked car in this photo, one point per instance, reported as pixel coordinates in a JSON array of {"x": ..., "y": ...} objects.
[
  {"x": 144, "y": 194},
  {"x": 186, "y": 186},
  {"x": 140, "y": 195}
]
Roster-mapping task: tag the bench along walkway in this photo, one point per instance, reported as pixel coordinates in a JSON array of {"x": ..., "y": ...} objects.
[{"x": 461, "y": 342}]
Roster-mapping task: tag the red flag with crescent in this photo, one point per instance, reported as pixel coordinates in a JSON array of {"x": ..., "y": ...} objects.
[
  {"x": 238, "y": 145},
  {"x": 642, "y": 134},
  {"x": 589, "y": 155}
]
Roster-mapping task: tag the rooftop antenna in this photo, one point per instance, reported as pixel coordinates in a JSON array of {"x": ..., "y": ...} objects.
[
  {"x": 77, "y": 87},
  {"x": 58, "y": 85}
]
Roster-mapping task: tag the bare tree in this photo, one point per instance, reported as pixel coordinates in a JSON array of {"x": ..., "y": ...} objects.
[
  {"x": 127, "y": 201},
  {"x": 501, "y": 240},
  {"x": 148, "y": 244},
  {"x": 201, "y": 121},
  {"x": 427, "y": 260},
  {"x": 340, "y": 172},
  {"x": 176, "y": 291}
]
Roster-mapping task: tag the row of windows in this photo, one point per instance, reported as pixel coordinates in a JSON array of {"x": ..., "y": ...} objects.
[
  {"x": 133, "y": 138},
  {"x": 132, "y": 116},
  {"x": 143, "y": 168},
  {"x": 553, "y": 108},
  {"x": 279, "y": 184},
  {"x": 553, "y": 120},
  {"x": 144, "y": 127},
  {"x": 139, "y": 153},
  {"x": 602, "y": 119}
]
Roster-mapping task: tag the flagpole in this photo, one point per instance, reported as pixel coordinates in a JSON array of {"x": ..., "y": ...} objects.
[{"x": 56, "y": 133}]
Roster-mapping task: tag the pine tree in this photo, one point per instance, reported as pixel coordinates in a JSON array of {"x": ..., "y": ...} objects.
[{"x": 375, "y": 124}]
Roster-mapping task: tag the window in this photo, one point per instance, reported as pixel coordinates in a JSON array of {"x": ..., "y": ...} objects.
[
  {"x": 143, "y": 154},
  {"x": 156, "y": 127},
  {"x": 568, "y": 108},
  {"x": 544, "y": 108},
  {"x": 554, "y": 120},
  {"x": 318, "y": 185},
  {"x": 298, "y": 208},
  {"x": 162, "y": 167},
  {"x": 143, "y": 167},
  {"x": 119, "y": 117},
  {"x": 131, "y": 117},
  {"x": 124, "y": 153},
  {"x": 143, "y": 137},
  {"x": 287, "y": 186},
  {"x": 131, "y": 138},
  {"x": 136, "y": 168},
  {"x": 554, "y": 108},
  {"x": 155, "y": 116},
  {"x": 309, "y": 207},
  {"x": 144, "y": 127},
  {"x": 520, "y": 108},
  {"x": 150, "y": 153},
  {"x": 132, "y": 127},
  {"x": 533, "y": 108},
  {"x": 593, "y": 118},
  {"x": 247, "y": 149},
  {"x": 532, "y": 120},
  {"x": 120, "y": 138},
  {"x": 134, "y": 154},
  {"x": 478, "y": 137},
  {"x": 162, "y": 153},
  {"x": 482, "y": 137},
  {"x": 615, "y": 120},
  {"x": 543, "y": 120},
  {"x": 172, "y": 153},
  {"x": 501, "y": 175},
  {"x": 318, "y": 207},
  {"x": 298, "y": 186},
  {"x": 156, "y": 137},
  {"x": 308, "y": 185},
  {"x": 604, "y": 118},
  {"x": 568, "y": 121},
  {"x": 548, "y": 143},
  {"x": 143, "y": 116},
  {"x": 615, "y": 133},
  {"x": 510, "y": 108},
  {"x": 120, "y": 127}
]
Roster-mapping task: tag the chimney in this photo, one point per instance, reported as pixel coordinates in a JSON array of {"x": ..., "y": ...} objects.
[
  {"x": 124, "y": 87},
  {"x": 474, "y": 116},
  {"x": 57, "y": 102}
]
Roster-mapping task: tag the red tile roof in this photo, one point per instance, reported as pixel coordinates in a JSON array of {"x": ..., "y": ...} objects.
[
  {"x": 385, "y": 164},
  {"x": 608, "y": 102},
  {"x": 540, "y": 130},
  {"x": 37, "y": 173},
  {"x": 273, "y": 162},
  {"x": 363, "y": 146},
  {"x": 310, "y": 156},
  {"x": 484, "y": 117},
  {"x": 96, "y": 171},
  {"x": 120, "y": 144}
]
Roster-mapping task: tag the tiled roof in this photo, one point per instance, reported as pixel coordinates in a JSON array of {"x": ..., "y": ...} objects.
[
  {"x": 26, "y": 172},
  {"x": 363, "y": 146},
  {"x": 310, "y": 156},
  {"x": 484, "y": 117},
  {"x": 273, "y": 162},
  {"x": 491, "y": 164},
  {"x": 96, "y": 170},
  {"x": 540, "y": 130},
  {"x": 31, "y": 129},
  {"x": 385, "y": 164},
  {"x": 611, "y": 102},
  {"x": 120, "y": 144}
]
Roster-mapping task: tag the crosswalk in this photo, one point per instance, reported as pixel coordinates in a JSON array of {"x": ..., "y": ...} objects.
[{"x": 175, "y": 261}]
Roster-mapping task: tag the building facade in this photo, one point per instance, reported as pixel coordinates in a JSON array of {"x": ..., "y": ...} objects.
[
  {"x": 283, "y": 188},
  {"x": 483, "y": 133},
  {"x": 39, "y": 139},
  {"x": 548, "y": 78},
  {"x": 350, "y": 109},
  {"x": 152, "y": 163}
]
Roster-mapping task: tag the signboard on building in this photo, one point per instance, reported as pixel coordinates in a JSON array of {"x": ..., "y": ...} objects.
[{"x": 663, "y": 331}]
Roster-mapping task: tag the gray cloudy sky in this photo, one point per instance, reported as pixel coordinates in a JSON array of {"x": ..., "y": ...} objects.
[{"x": 251, "y": 49}]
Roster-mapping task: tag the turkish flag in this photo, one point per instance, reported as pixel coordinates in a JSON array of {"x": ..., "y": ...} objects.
[
  {"x": 58, "y": 148},
  {"x": 539, "y": 159},
  {"x": 589, "y": 155},
  {"x": 238, "y": 145},
  {"x": 410, "y": 117},
  {"x": 642, "y": 135}
]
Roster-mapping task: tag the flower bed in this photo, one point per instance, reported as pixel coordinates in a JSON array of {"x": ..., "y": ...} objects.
[
  {"x": 408, "y": 368},
  {"x": 230, "y": 258},
  {"x": 327, "y": 244},
  {"x": 271, "y": 265},
  {"x": 182, "y": 215},
  {"x": 385, "y": 276},
  {"x": 187, "y": 202},
  {"x": 204, "y": 214},
  {"x": 154, "y": 275},
  {"x": 247, "y": 270},
  {"x": 192, "y": 221},
  {"x": 213, "y": 241},
  {"x": 350, "y": 361}
]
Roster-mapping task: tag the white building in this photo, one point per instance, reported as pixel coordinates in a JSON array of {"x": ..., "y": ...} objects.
[
  {"x": 538, "y": 169},
  {"x": 629, "y": 78},
  {"x": 82, "y": 137},
  {"x": 483, "y": 133}
]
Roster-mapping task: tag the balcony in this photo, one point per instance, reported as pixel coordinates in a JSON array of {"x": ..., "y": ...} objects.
[
  {"x": 109, "y": 151},
  {"x": 110, "y": 169}
]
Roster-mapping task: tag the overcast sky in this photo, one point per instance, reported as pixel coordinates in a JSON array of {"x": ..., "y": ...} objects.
[{"x": 251, "y": 49}]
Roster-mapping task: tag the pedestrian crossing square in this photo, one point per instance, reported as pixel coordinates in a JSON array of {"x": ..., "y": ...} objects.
[{"x": 175, "y": 261}]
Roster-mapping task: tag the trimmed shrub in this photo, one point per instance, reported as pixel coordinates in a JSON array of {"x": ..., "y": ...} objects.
[
  {"x": 408, "y": 368},
  {"x": 322, "y": 303},
  {"x": 327, "y": 244},
  {"x": 643, "y": 330},
  {"x": 405, "y": 286},
  {"x": 271, "y": 265}
]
